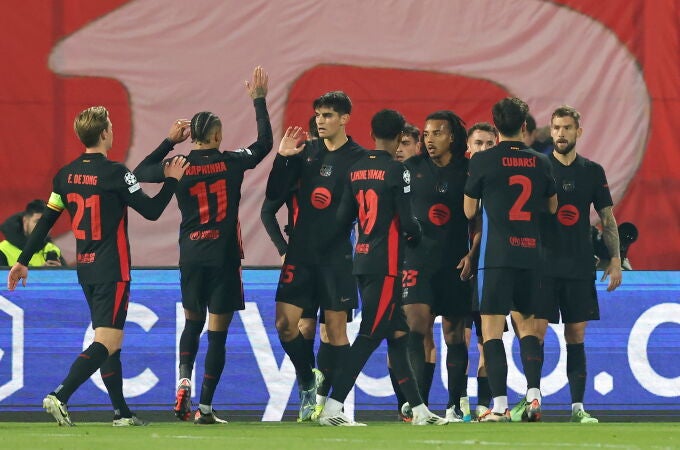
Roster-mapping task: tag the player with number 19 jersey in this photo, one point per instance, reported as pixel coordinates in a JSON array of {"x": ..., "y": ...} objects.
[
  {"x": 514, "y": 184},
  {"x": 378, "y": 193}
]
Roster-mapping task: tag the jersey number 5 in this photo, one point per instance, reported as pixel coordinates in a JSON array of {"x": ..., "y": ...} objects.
[
  {"x": 91, "y": 203},
  {"x": 368, "y": 209},
  {"x": 516, "y": 212},
  {"x": 200, "y": 190}
]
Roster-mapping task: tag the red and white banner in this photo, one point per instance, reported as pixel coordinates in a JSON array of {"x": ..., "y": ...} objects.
[{"x": 153, "y": 61}]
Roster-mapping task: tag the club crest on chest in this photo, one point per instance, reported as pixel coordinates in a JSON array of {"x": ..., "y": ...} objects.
[{"x": 326, "y": 170}]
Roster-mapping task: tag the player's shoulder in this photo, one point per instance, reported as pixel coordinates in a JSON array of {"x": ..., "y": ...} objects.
[
  {"x": 236, "y": 153},
  {"x": 415, "y": 161},
  {"x": 588, "y": 163}
]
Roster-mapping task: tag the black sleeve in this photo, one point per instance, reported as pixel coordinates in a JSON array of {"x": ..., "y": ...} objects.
[
  {"x": 265, "y": 140},
  {"x": 283, "y": 176},
  {"x": 36, "y": 240},
  {"x": 3, "y": 260},
  {"x": 151, "y": 208},
  {"x": 271, "y": 225},
  {"x": 410, "y": 227},
  {"x": 150, "y": 170}
]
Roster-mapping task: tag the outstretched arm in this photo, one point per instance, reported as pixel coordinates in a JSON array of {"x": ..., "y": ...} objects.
[
  {"x": 152, "y": 207},
  {"x": 257, "y": 89}
]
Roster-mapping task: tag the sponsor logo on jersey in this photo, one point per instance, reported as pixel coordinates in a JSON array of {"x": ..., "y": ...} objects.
[
  {"x": 439, "y": 214},
  {"x": 321, "y": 198},
  {"x": 326, "y": 170},
  {"x": 204, "y": 235},
  {"x": 247, "y": 151},
  {"x": 407, "y": 176},
  {"x": 568, "y": 215},
  {"x": 524, "y": 242},
  {"x": 442, "y": 187},
  {"x": 86, "y": 258},
  {"x": 363, "y": 248}
]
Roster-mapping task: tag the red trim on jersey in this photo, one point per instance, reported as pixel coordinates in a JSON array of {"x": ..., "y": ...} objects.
[
  {"x": 393, "y": 247},
  {"x": 120, "y": 293},
  {"x": 123, "y": 255},
  {"x": 240, "y": 240},
  {"x": 296, "y": 208},
  {"x": 385, "y": 300}
]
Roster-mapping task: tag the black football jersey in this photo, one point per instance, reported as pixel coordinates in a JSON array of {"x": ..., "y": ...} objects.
[
  {"x": 322, "y": 175},
  {"x": 377, "y": 194},
  {"x": 209, "y": 194},
  {"x": 568, "y": 243},
  {"x": 96, "y": 193},
  {"x": 437, "y": 202},
  {"x": 514, "y": 184}
]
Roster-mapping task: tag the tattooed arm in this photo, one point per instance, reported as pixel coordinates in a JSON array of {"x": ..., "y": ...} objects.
[{"x": 610, "y": 236}]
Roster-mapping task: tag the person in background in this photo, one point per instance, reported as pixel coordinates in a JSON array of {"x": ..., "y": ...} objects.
[{"x": 17, "y": 228}]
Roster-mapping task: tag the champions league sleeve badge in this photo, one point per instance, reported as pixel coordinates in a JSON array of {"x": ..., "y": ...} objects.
[
  {"x": 131, "y": 181},
  {"x": 407, "y": 179}
]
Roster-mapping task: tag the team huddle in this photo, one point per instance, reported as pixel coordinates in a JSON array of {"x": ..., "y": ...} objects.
[{"x": 470, "y": 225}]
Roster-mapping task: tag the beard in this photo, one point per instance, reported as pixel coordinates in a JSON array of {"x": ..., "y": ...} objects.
[{"x": 564, "y": 150}]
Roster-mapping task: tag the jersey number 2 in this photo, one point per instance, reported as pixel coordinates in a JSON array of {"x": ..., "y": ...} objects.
[
  {"x": 516, "y": 212},
  {"x": 200, "y": 190}
]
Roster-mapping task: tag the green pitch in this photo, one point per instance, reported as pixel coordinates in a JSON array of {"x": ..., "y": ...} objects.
[{"x": 377, "y": 435}]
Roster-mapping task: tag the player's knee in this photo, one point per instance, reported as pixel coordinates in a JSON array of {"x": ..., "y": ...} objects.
[{"x": 285, "y": 329}]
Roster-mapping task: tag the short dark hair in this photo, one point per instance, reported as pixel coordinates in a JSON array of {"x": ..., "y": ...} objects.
[
  {"x": 313, "y": 128},
  {"x": 338, "y": 101},
  {"x": 202, "y": 124},
  {"x": 413, "y": 131},
  {"x": 457, "y": 126},
  {"x": 36, "y": 206},
  {"x": 567, "y": 111},
  {"x": 531, "y": 123},
  {"x": 509, "y": 115},
  {"x": 387, "y": 124},
  {"x": 483, "y": 126}
]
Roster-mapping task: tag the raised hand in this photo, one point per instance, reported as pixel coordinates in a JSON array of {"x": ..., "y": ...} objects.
[
  {"x": 257, "y": 88},
  {"x": 176, "y": 167},
  {"x": 290, "y": 141},
  {"x": 179, "y": 130}
]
